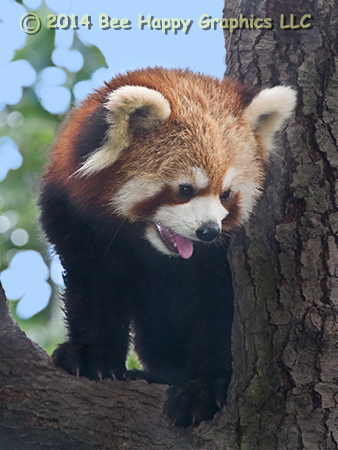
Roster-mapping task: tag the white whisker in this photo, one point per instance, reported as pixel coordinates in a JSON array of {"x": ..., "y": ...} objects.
[{"x": 115, "y": 234}]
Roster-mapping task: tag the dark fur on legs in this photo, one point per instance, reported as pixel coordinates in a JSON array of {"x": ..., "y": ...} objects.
[{"x": 181, "y": 309}]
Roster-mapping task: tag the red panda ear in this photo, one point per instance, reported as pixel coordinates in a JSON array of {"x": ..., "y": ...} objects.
[
  {"x": 268, "y": 110},
  {"x": 137, "y": 108},
  {"x": 130, "y": 110}
]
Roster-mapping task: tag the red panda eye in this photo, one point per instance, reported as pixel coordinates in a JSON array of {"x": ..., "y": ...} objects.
[
  {"x": 186, "y": 191},
  {"x": 225, "y": 195}
]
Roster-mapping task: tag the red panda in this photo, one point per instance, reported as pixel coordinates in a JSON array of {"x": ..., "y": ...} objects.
[{"x": 146, "y": 176}]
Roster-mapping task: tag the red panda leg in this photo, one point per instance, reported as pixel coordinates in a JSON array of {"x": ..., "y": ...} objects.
[
  {"x": 96, "y": 347},
  {"x": 183, "y": 330},
  {"x": 96, "y": 294}
]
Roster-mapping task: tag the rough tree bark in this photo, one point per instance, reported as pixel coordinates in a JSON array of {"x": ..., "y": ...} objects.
[
  {"x": 284, "y": 393},
  {"x": 285, "y": 263}
]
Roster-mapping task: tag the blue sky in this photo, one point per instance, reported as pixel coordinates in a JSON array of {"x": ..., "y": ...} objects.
[{"x": 201, "y": 50}]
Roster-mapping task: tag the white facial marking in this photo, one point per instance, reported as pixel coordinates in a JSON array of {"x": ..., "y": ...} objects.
[
  {"x": 248, "y": 195},
  {"x": 133, "y": 192},
  {"x": 229, "y": 178},
  {"x": 186, "y": 218},
  {"x": 247, "y": 189},
  {"x": 152, "y": 235},
  {"x": 195, "y": 176},
  {"x": 201, "y": 178}
]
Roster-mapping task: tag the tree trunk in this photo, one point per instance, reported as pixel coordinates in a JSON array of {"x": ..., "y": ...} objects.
[
  {"x": 285, "y": 263},
  {"x": 284, "y": 392}
]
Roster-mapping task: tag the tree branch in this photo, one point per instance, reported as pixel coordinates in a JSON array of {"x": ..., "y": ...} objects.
[{"x": 44, "y": 407}]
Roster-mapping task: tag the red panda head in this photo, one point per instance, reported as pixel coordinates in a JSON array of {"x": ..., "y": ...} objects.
[{"x": 182, "y": 153}]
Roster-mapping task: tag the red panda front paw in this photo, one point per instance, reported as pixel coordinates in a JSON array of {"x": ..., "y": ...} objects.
[
  {"x": 195, "y": 402},
  {"x": 92, "y": 362}
]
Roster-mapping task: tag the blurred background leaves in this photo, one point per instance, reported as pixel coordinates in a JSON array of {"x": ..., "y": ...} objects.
[{"x": 36, "y": 93}]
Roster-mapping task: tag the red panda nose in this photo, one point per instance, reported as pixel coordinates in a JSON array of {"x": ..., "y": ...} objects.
[{"x": 208, "y": 231}]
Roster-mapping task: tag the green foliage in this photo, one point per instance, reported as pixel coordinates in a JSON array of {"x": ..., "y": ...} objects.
[{"x": 133, "y": 361}]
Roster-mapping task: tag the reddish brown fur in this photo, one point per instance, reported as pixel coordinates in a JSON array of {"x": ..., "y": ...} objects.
[
  {"x": 231, "y": 205},
  {"x": 129, "y": 153},
  {"x": 196, "y": 134}
]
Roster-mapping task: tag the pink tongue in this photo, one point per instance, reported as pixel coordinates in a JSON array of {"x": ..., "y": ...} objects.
[{"x": 184, "y": 246}]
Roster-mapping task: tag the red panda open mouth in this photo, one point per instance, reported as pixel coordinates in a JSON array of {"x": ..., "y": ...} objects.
[{"x": 175, "y": 242}]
